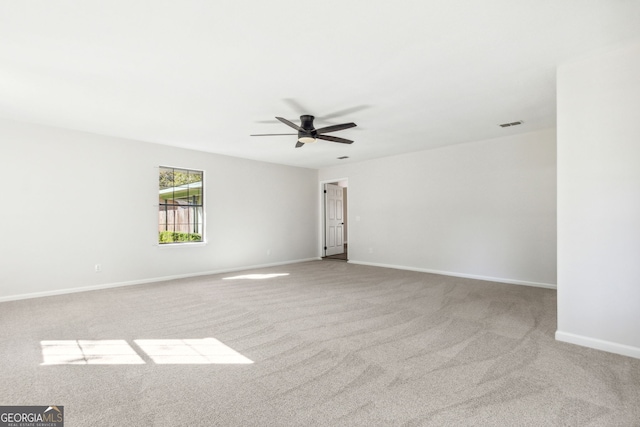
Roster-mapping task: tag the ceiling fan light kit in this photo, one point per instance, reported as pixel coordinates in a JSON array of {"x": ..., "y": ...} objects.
[{"x": 308, "y": 134}]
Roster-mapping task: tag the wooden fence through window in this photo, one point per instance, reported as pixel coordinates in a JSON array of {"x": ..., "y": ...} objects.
[{"x": 179, "y": 219}]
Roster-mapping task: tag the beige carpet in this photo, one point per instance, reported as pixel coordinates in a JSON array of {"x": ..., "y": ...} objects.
[{"x": 332, "y": 344}]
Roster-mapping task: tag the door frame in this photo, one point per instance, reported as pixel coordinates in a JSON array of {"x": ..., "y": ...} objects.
[{"x": 321, "y": 231}]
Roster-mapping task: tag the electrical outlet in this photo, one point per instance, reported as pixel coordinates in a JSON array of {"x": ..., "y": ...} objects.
[
  {"x": 268, "y": 252},
  {"x": 370, "y": 250},
  {"x": 98, "y": 268}
]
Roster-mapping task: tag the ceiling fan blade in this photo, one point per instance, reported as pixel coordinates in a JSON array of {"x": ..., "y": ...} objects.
[
  {"x": 302, "y": 109},
  {"x": 335, "y": 128},
  {"x": 299, "y": 144},
  {"x": 344, "y": 112},
  {"x": 334, "y": 139},
  {"x": 272, "y": 134},
  {"x": 296, "y": 106},
  {"x": 290, "y": 124}
]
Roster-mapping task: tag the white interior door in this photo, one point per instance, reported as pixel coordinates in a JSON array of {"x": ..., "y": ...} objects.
[{"x": 333, "y": 220}]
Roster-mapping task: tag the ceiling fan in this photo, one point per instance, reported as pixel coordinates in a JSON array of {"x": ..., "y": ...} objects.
[{"x": 308, "y": 134}]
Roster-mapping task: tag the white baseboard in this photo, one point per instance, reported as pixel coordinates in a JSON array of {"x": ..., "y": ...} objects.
[
  {"x": 466, "y": 276},
  {"x": 611, "y": 347},
  {"x": 143, "y": 281}
]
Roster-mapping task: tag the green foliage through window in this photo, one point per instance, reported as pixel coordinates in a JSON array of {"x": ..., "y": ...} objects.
[
  {"x": 175, "y": 237},
  {"x": 176, "y": 177}
]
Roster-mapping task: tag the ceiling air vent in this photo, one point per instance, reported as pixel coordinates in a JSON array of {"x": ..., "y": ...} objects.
[{"x": 506, "y": 125}]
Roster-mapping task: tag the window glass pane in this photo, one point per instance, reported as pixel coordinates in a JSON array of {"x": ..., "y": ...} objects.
[
  {"x": 166, "y": 178},
  {"x": 180, "y": 213},
  {"x": 195, "y": 191}
]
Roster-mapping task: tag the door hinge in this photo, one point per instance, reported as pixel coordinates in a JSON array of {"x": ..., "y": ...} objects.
[
  {"x": 325, "y": 191},
  {"x": 325, "y": 248}
]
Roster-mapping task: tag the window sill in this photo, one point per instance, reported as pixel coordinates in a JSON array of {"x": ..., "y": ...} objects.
[{"x": 181, "y": 245}]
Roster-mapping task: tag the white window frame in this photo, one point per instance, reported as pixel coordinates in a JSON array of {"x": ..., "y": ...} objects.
[{"x": 201, "y": 205}]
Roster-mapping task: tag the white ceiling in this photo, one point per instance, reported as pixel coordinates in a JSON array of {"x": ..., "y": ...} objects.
[{"x": 206, "y": 74}]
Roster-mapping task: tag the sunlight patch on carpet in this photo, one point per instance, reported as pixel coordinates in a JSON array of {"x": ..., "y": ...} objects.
[
  {"x": 89, "y": 352},
  {"x": 160, "y": 351},
  {"x": 191, "y": 351}
]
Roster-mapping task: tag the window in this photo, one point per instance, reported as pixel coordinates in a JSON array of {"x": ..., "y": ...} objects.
[{"x": 180, "y": 214}]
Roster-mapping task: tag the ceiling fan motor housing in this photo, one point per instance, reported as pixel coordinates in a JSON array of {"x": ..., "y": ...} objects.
[{"x": 309, "y": 134}]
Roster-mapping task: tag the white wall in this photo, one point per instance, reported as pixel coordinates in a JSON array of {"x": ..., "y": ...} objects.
[
  {"x": 485, "y": 209},
  {"x": 72, "y": 200},
  {"x": 599, "y": 200}
]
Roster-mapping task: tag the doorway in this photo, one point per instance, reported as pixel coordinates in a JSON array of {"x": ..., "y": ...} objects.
[{"x": 334, "y": 220}]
